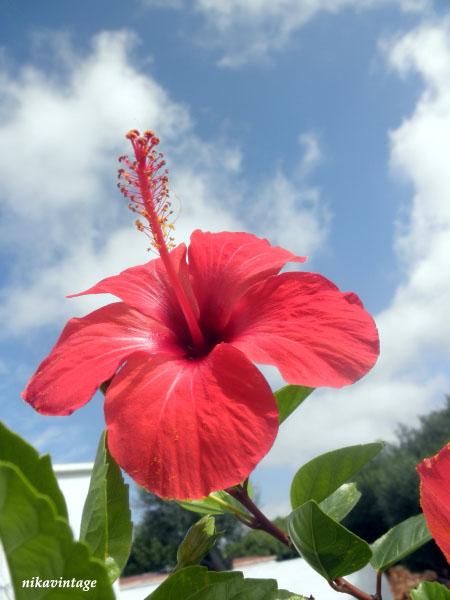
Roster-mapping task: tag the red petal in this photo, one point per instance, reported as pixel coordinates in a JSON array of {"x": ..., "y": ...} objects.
[
  {"x": 88, "y": 352},
  {"x": 301, "y": 323},
  {"x": 184, "y": 428},
  {"x": 434, "y": 475},
  {"x": 148, "y": 289},
  {"x": 224, "y": 265}
]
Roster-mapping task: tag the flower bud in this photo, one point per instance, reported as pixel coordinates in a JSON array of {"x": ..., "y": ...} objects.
[{"x": 198, "y": 541}]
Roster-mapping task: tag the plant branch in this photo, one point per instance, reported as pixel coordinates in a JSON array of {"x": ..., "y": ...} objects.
[
  {"x": 342, "y": 585},
  {"x": 260, "y": 521},
  {"x": 378, "y": 594}
]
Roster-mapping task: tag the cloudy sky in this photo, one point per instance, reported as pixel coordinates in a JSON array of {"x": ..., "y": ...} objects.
[{"x": 323, "y": 125}]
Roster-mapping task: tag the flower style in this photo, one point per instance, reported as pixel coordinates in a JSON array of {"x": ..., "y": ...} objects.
[
  {"x": 434, "y": 475},
  {"x": 187, "y": 411}
]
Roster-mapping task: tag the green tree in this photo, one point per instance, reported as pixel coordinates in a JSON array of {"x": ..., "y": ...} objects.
[
  {"x": 259, "y": 543},
  {"x": 390, "y": 485}
]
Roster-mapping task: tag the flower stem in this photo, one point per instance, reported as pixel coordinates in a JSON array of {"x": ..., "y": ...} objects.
[{"x": 260, "y": 521}]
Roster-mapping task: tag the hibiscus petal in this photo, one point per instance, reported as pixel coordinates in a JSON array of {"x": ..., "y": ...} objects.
[
  {"x": 184, "y": 428},
  {"x": 224, "y": 265},
  {"x": 434, "y": 475},
  {"x": 301, "y": 323},
  {"x": 148, "y": 289},
  {"x": 88, "y": 352}
]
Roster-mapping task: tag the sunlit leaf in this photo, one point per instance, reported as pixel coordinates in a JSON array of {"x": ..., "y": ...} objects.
[
  {"x": 322, "y": 475},
  {"x": 400, "y": 541},
  {"x": 289, "y": 398},
  {"x": 106, "y": 522},
  {"x": 428, "y": 590},
  {"x": 341, "y": 501},
  {"x": 36, "y": 468}
]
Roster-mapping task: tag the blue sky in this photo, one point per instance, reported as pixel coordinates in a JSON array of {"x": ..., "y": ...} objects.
[{"x": 324, "y": 126}]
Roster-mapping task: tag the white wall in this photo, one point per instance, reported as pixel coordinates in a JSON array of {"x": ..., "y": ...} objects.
[{"x": 73, "y": 479}]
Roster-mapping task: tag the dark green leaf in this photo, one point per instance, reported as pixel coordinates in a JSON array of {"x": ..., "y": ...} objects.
[
  {"x": 37, "y": 469},
  {"x": 106, "y": 522},
  {"x": 198, "y": 541},
  {"x": 289, "y": 398},
  {"x": 341, "y": 501},
  {"x": 398, "y": 542},
  {"x": 322, "y": 475},
  {"x": 39, "y": 543},
  {"x": 330, "y": 549},
  {"x": 428, "y": 590},
  {"x": 197, "y": 583}
]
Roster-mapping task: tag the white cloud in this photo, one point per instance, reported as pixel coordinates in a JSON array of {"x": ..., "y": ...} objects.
[
  {"x": 411, "y": 374},
  {"x": 249, "y": 30},
  {"x": 65, "y": 225},
  {"x": 295, "y": 214},
  {"x": 277, "y": 509}
]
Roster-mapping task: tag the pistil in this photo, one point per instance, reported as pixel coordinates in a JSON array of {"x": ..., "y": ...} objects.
[{"x": 146, "y": 187}]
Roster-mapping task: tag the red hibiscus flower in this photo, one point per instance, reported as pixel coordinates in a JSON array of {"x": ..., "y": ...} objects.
[
  {"x": 434, "y": 475},
  {"x": 187, "y": 411}
]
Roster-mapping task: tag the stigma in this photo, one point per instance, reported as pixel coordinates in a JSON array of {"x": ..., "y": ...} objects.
[{"x": 144, "y": 182}]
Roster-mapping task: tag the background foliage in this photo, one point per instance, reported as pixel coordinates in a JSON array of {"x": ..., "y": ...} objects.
[{"x": 390, "y": 486}]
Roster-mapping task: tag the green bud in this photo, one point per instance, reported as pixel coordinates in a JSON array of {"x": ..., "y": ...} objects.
[{"x": 198, "y": 541}]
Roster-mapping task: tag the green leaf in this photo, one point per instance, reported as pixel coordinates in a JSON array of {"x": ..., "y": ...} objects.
[
  {"x": 188, "y": 581},
  {"x": 217, "y": 503},
  {"x": 322, "y": 475},
  {"x": 398, "y": 542},
  {"x": 197, "y": 542},
  {"x": 36, "y": 468},
  {"x": 285, "y": 595},
  {"x": 428, "y": 590},
  {"x": 330, "y": 549},
  {"x": 289, "y": 398},
  {"x": 238, "y": 589},
  {"x": 341, "y": 501},
  {"x": 197, "y": 583},
  {"x": 106, "y": 522},
  {"x": 39, "y": 543}
]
